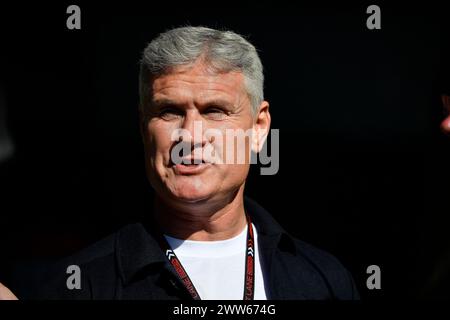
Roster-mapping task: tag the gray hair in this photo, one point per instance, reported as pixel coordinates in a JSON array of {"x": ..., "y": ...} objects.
[{"x": 223, "y": 50}]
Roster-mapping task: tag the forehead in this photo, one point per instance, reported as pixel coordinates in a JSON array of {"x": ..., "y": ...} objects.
[{"x": 198, "y": 82}]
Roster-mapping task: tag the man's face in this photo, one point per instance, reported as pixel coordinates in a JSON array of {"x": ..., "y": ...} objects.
[
  {"x": 445, "y": 125},
  {"x": 185, "y": 98}
]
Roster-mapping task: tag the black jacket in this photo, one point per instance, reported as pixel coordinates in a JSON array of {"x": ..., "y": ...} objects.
[{"x": 130, "y": 265}]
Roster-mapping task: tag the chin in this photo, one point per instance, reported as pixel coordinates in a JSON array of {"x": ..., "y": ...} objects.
[
  {"x": 192, "y": 193},
  {"x": 191, "y": 197}
]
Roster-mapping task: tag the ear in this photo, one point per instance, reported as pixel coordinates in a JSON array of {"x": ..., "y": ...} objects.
[{"x": 261, "y": 127}]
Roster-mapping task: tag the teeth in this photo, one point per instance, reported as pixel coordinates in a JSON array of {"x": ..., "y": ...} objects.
[{"x": 192, "y": 162}]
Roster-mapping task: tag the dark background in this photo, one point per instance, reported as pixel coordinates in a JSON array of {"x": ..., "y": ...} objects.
[{"x": 364, "y": 171}]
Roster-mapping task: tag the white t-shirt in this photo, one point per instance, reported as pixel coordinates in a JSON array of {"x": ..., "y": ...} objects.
[{"x": 217, "y": 268}]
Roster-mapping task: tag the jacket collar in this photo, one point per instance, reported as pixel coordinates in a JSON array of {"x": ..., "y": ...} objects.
[
  {"x": 137, "y": 247},
  {"x": 271, "y": 234}
]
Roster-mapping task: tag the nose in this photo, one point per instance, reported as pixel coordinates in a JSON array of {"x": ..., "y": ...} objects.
[{"x": 194, "y": 127}]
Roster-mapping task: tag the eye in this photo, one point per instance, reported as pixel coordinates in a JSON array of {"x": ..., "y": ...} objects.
[
  {"x": 215, "y": 113},
  {"x": 170, "y": 113}
]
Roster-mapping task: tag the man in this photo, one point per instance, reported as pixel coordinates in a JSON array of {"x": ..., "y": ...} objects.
[{"x": 204, "y": 240}]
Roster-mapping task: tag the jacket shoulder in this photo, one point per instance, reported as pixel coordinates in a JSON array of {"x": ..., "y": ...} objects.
[
  {"x": 97, "y": 269},
  {"x": 337, "y": 278}
]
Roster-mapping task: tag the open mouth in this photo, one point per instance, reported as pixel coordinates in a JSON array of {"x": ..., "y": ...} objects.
[
  {"x": 190, "y": 166},
  {"x": 188, "y": 162},
  {"x": 194, "y": 162}
]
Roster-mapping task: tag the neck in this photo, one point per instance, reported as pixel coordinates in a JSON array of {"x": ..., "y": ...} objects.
[{"x": 206, "y": 221}]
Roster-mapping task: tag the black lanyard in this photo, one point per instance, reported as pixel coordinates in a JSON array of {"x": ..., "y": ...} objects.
[{"x": 249, "y": 288}]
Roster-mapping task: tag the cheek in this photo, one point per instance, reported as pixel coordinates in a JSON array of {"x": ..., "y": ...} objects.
[
  {"x": 158, "y": 139},
  {"x": 233, "y": 175},
  {"x": 232, "y": 141}
]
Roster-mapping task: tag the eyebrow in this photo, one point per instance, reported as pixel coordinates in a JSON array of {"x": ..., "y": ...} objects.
[
  {"x": 164, "y": 102},
  {"x": 219, "y": 102}
]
